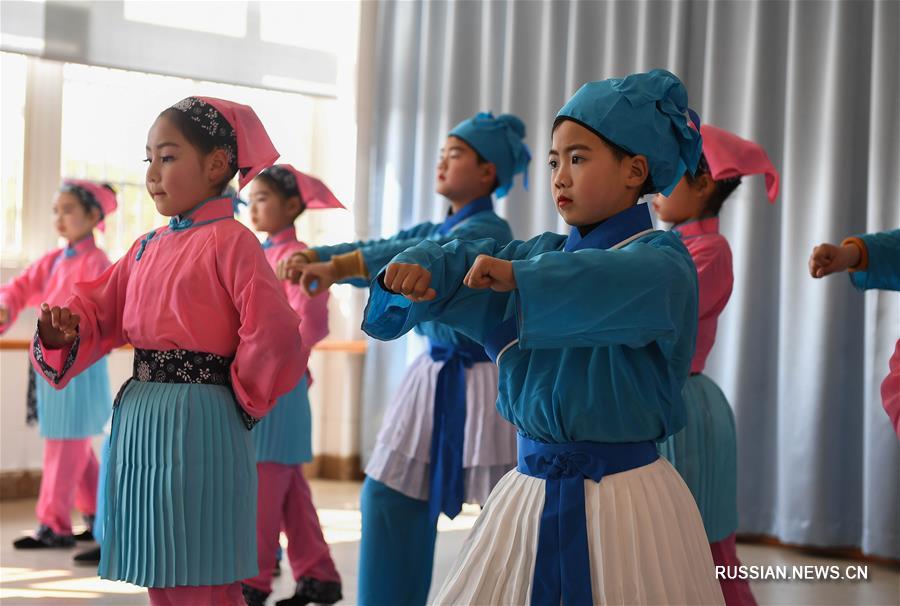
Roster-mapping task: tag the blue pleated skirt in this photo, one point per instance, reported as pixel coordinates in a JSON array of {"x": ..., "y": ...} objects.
[
  {"x": 285, "y": 434},
  {"x": 80, "y": 409},
  {"x": 97, "y": 530},
  {"x": 180, "y": 488},
  {"x": 705, "y": 454}
]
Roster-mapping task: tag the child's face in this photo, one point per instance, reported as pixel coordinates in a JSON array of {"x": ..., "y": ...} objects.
[
  {"x": 70, "y": 218},
  {"x": 589, "y": 183},
  {"x": 178, "y": 175},
  {"x": 269, "y": 210},
  {"x": 459, "y": 175},
  {"x": 685, "y": 203}
]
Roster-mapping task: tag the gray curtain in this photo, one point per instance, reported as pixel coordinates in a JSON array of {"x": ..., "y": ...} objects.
[{"x": 817, "y": 84}]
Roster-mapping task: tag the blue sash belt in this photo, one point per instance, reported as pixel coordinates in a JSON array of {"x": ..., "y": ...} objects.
[
  {"x": 447, "y": 490},
  {"x": 562, "y": 565}
]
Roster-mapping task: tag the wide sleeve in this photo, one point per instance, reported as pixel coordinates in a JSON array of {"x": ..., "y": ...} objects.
[
  {"x": 26, "y": 289},
  {"x": 883, "y": 268},
  {"x": 265, "y": 364},
  {"x": 417, "y": 232},
  {"x": 595, "y": 298},
  {"x": 313, "y": 313},
  {"x": 100, "y": 304},
  {"x": 377, "y": 257},
  {"x": 474, "y": 313}
]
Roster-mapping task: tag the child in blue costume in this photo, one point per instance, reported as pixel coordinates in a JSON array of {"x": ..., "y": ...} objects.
[
  {"x": 442, "y": 442},
  {"x": 593, "y": 335},
  {"x": 873, "y": 261}
]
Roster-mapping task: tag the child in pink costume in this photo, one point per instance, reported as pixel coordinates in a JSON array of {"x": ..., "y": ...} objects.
[
  {"x": 70, "y": 417},
  {"x": 705, "y": 451},
  {"x": 283, "y": 439},
  {"x": 209, "y": 324}
]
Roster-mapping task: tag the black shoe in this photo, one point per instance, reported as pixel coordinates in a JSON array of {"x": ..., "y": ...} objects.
[
  {"x": 88, "y": 557},
  {"x": 253, "y": 596},
  {"x": 45, "y": 538},
  {"x": 313, "y": 591},
  {"x": 84, "y": 535},
  {"x": 88, "y": 533}
]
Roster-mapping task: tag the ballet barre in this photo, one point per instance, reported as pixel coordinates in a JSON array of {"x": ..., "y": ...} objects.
[{"x": 357, "y": 347}]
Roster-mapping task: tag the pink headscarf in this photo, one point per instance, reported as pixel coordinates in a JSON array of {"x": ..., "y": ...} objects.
[
  {"x": 314, "y": 193},
  {"x": 255, "y": 150},
  {"x": 103, "y": 196},
  {"x": 729, "y": 157}
]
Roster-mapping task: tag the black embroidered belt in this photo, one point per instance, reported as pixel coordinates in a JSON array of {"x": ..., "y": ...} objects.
[{"x": 182, "y": 366}]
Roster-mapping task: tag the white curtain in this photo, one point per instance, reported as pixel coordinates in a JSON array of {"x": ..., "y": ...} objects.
[{"x": 817, "y": 84}]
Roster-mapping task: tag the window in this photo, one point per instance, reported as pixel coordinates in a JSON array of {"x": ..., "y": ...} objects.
[
  {"x": 323, "y": 25},
  {"x": 105, "y": 119},
  {"x": 12, "y": 125},
  {"x": 224, "y": 18}
]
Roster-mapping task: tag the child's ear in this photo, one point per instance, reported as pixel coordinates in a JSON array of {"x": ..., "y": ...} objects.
[
  {"x": 217, "y": 166},
  {"x": 638, "y": 171},
  {"x": 293, "y": 206},
  {"x": 706, "y": 185},
  {"x": 488, "y": 172},
  {"x": 94, "y": 216}
]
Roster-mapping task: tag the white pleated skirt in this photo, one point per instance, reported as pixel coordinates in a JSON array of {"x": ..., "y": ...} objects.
[
  {"x": 402, "y": 454},
  {"x": 645, "y": 537}
]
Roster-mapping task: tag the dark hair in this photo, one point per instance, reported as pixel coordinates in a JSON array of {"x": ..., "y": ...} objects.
[
  {"x": 722, "y": 188},
  {"x": 279, "y": 187},
  {"x": 85, "y": 199},
  {"x": 618, "y": 152},
  {"x": 196, "y": 136}
]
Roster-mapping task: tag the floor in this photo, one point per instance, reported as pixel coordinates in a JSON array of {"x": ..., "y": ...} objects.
[{"x": 48, "y": 577}]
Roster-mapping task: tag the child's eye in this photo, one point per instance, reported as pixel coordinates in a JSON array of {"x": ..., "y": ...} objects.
[
  {"x": 167, "y": 158},
  {"x": 577, "y": 159},
  {"x": 553, "y": 164},
  {"x": 148, "y": 160}
]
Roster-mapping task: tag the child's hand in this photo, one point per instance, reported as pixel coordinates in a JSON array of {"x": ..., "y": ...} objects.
[
  {"x": 4, "y": 315},
  {"x": 490, "y": 272},
  {"x": 411, "y": 281},
  {"x": 57, "y": 326},
  {"x": 291, "y": 268},
  {"x": 830, "y": 258},
  {"x": 317, "y": 278}
]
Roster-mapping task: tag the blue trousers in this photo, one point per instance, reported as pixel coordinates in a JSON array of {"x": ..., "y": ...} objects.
[{"x": 396, "y": 553}]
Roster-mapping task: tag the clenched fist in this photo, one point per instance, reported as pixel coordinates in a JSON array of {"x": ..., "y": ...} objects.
[
  {"x": 830, "y": 258},
  {"x": 490, "y": 272},
  {"x": 411, "y": 281},
  {"x": 317, "y": 278},
  {"x": 57, "y": 326},
  {"x": 291, "y": 268}
]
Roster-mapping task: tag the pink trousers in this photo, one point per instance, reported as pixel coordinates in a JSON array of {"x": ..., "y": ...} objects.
[
  {"x": 201, "y": 595},
  {"x": 284, "y": 502},
  {"x": 69, "y": 479},
  {"x": 737, "y": 591}
]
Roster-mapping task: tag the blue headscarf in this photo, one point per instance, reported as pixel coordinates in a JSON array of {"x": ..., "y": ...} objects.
[
  {"x": 645, "y": 114},
  {"x": 499, "y": 141}
]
